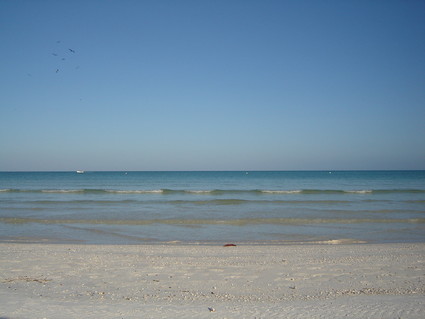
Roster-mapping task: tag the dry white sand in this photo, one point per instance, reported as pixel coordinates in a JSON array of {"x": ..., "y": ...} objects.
[{"x": 183, "y": 281}]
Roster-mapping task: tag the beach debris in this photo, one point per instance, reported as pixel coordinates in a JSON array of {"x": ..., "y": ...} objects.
[
  {"x": 229, "y": 245},
  {"x": 292, "y": 287},
  {"x": 211, "y": 309}
]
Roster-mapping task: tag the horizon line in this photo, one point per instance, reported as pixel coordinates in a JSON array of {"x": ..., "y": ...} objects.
[{"x": 212, "y": 170}]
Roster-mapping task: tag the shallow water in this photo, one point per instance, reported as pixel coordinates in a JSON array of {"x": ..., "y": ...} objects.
[{"x": 136, "y": 207}]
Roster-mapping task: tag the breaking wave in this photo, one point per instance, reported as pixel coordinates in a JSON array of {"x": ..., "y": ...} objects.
[{"x": 214, "y": 192}]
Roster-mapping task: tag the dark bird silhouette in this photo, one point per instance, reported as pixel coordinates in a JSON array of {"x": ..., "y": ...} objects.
[
  {"x": 71, "y": 50},
  {"x": 55, "y": 54},
  {"x": 57, "y": 70}
]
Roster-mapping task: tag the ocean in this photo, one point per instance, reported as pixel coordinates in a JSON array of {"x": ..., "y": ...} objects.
[{"x": 274, "y": 207}]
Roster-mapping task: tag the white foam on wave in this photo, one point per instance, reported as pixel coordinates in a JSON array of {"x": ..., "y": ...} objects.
[
  {"x": 62, "y": 191},
  {"x": 198, "y": 192},
  {"x": 282, "y": 192},
  {"x": 155, "y": 191},
  {"x": 360, "y": 192}
]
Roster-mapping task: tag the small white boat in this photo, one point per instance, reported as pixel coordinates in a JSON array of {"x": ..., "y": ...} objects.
[{"x": 80, "y": 172}]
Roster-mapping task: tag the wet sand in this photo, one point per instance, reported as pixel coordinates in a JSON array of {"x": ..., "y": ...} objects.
[{"x": 212, "y": 281}]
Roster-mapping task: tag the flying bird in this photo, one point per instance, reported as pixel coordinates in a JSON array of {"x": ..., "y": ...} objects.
[
  {"x": 55, "y": 54},
  {"x": 71, "y": 50},
  {"x": 57, "y": 70}
]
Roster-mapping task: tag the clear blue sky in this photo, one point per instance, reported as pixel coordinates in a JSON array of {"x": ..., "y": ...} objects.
[{"x": 212, "y": 85}]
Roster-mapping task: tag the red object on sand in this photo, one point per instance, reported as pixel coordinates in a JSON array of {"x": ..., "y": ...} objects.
[{"x": 229, "y": 245}]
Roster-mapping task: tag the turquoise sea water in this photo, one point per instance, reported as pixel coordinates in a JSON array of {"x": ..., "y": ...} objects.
[{"x": 192, "y": 207}]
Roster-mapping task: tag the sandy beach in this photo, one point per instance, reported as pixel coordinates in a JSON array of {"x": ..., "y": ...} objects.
[{"x": 212, "y": 281}]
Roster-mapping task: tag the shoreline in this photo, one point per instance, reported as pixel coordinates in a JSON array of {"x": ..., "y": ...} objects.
[
  {"x": 50, "y": 241},
  {"x": 184, "y": 281},
  {"x": 27, "y": 240}
]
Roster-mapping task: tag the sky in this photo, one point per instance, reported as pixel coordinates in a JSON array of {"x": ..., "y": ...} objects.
[{"x": 212, "y": 85}]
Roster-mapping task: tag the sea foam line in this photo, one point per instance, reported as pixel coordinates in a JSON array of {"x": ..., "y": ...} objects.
[
  {"x": 281, "y": 192},
  {"x": 360, "y": 192},
  {"x": 215, "y": 191},
  {"x": 155, "y": 191}
]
